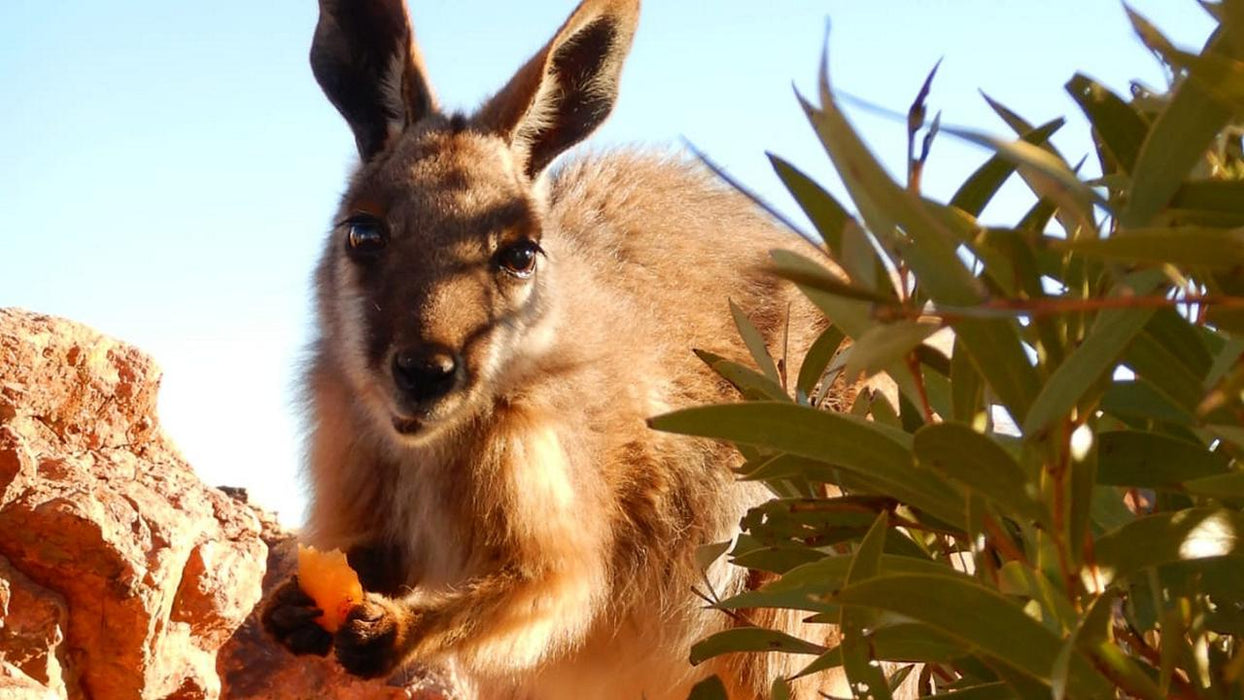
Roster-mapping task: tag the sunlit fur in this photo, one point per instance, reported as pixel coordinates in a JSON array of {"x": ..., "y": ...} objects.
[{"x": 543, "y": 535}]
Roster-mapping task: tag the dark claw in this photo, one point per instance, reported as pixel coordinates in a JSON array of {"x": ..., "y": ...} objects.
[
  {"x": 366, "y": 643},
  {"x": 290, "y": 593},
  {"x": 309, "y": 640},
  {"x": 290, "y": 617}
]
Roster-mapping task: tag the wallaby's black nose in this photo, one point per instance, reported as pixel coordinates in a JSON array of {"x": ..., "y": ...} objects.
[{"x": 426, "y": 374}]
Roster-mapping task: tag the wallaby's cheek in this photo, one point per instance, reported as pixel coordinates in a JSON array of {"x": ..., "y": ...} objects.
[
  {"x": 532, "y": 326},
  {"x": 350, "y": 328}
]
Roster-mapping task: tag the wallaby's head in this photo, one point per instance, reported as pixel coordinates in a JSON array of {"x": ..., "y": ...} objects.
[{"x": 434, "y": 283}]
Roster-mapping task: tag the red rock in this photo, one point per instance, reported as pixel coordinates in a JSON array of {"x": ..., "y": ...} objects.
[
  {"x": 32, "y": 627},
  {"x": 121, "y": 574},
  {"x": 132, "y": 571}
]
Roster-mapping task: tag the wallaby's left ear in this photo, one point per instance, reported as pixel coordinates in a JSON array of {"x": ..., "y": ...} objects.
[
  {"x": 567, "y": 89},
  {"x": 365, "y": 59}
]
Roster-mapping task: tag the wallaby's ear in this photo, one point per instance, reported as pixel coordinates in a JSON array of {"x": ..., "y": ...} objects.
[
  {"x": 567, "y": 89},
  {"x": 365, "y": 59}
]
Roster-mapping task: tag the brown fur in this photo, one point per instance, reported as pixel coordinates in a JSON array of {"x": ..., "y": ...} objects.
[{"x": 527, "y": 527}]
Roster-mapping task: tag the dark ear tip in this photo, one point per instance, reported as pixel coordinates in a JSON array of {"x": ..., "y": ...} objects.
[
  {"x": 613, "y": 7},
  {"x": 362, "y": 50}
]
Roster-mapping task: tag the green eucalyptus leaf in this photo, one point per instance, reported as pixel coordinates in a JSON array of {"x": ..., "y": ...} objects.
[
  {"x": 1140, "y": 400},
  {"x": 984, "y": 691},
  {"x": 928, "y": 248},
  {"x": 710, "y": 688},
  {"x": 825, "y": 213},
  {"x": 804, "y": 272},
  {"x": 1196, "y": 246},
  {"x": 1109, "y": 336},
  {"x": 1209, "y": 202},
  {"x": 814, "y": 521},
  {"x": 1195, "y": 533},
  {"x": 1178, "y": 139},
  {"x": 1140, "y": 459},
  {"x": 805, "y": 587},
  {"x": 755, "y": 343},
  {"x": 976, "y": 192},
  {"x": 750, "y": 639},
  {"x": 779, "y": 690},
  {"x": 1046, "y": 173},
  {"x": 706, "y": 554},
  {"x": 885, "y": 345},
  {"x": 978, "y": 616},
  {"x": 881, "y": 456},
  {"x": 981, "y": 465},
  {"x": 965, "y": 386},
  {"x": 1092, "y": 636},
  {"x": 1222, "y": 487},
  {"x": 907, "y": 642},
  {"x": 863, "y": 673},
  {"x": 1162, "y": 365},
  {"x": 818, "y": 358},
  {"x": 779, "y": 558},
  {"x": 1121, "y": 129},
  {"x": 749, "y": 382}
]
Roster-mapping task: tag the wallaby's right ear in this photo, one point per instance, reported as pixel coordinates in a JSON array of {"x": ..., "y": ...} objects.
[
  {"x": 567, "y": 89},
  {"x": 365, "y": 59}
]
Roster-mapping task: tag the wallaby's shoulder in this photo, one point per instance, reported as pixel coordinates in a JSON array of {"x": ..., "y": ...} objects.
[
  {"x": 664, "y": 211},
  {"x": 645, "y": 185}
]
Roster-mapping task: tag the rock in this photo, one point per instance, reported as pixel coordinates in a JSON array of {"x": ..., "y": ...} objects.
[
  {"x": 122, "y": 574},
  {"x": 32, "y": 624}
]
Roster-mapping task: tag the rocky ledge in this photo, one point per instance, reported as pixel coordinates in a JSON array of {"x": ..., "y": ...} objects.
[{"x": 122, "y": 575}]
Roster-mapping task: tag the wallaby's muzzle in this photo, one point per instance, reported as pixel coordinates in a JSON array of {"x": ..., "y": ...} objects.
[{"x": 425, "y": 374}]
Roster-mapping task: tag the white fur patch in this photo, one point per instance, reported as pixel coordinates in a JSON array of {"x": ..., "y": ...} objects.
[{"x": 540, "y": 471}]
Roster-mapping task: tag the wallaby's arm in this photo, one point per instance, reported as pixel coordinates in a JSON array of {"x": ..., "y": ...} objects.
[
  {"x": 544, "y": 584},
  {"x": 508, "y": 620}
]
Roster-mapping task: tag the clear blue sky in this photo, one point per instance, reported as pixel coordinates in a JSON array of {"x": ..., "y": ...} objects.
[{"x": 168, "y": 169}]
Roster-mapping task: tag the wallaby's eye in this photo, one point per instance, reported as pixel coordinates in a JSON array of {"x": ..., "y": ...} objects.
[
  {"x": 519, "y": 259},
  {"x": 365, "y": 235}
]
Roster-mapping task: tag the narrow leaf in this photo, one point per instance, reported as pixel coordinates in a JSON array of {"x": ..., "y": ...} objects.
[
  {"x": 863, "y": 672},
  {"x": 978, "y": 616},
  {"x": 1118, "y": 125},
  {"x": 750, "y": 639},
  {"x": 858, "y": 446},
  {"x": 804, "y": 587},
  {"x": 1048, "y": 174},
  {"x": 982, "y": 185},
  {"x": 755, "y": 343},
  {"x": 1196, "y": 533},
  {"x": 749, "y": 382},
  {"x": 825, "y": 213},
  {"x": 886, "y": 344},
  {"x": 1186, "y": 245},
  {"x": 928, "y": 247},
  {"x": 806, "y": 273},
  {"x": 818, "y": 358},
  {"x": 1110, "y": 335},
  {"x": 1178, "y": 139},
  {"x": 981, "y": 465},
  {"x": 1147, "y": 460},
  {"x": 710, "y": 688}
]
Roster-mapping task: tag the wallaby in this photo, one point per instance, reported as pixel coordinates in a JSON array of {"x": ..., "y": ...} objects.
[{"x": 493, "y": 333}]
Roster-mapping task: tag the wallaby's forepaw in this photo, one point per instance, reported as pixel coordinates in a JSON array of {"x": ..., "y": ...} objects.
[
  {"x": 290, "y": 616},
  {"x": 369, "y": 642}
]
